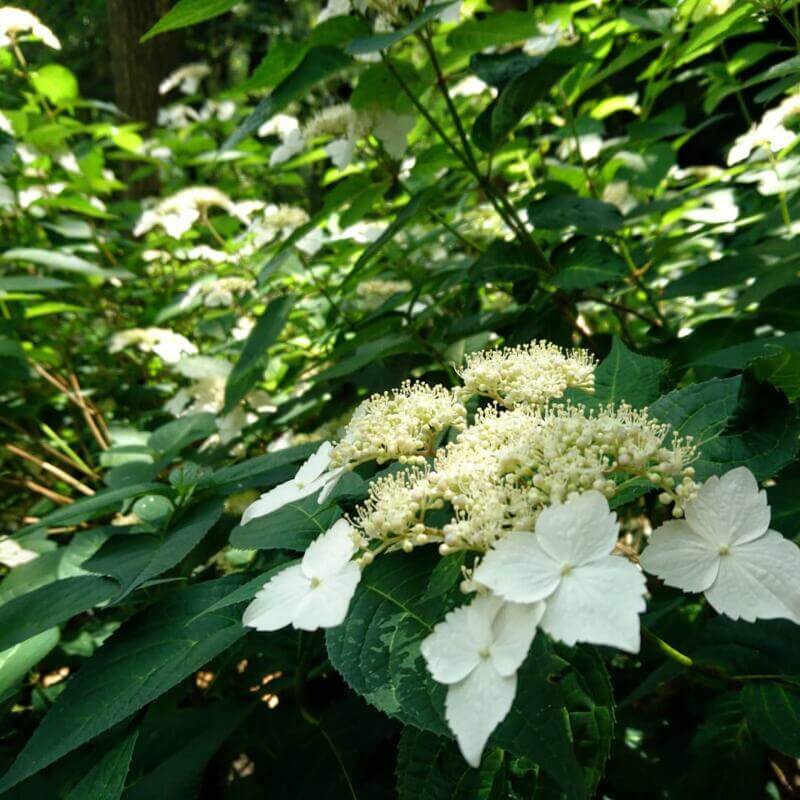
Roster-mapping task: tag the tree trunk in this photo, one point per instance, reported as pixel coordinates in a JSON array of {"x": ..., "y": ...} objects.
[{"x": 139, "y": 68}]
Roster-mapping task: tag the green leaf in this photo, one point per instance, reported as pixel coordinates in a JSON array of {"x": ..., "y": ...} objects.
[
  {"x": 502, "y": 261},
  {"x": 519, "y": 96},
  {"x": 292, "y": 527},
  {"x": 417, "y": 204},
  {"x": 282, "y": 58},
  {"x": 382, "y": 41},
  {"x": 143, "y": 659},
  {"x": 260, "y": 471},
  {"x": 782, "y": 370},
  {"x": 624, "y": 376},
  {"x": 201, "y": 731},
  {"x": 92, "y": 507},
  {"x": 430, "y": 767},
  {"x": 188, "y": 12},
  {"x": 589, "y": 263},
  {"x": 56, "y": 83},
  {"x": 572, "y": 211},
  {"x": 319, "y": 63},
  {"x": 106, "y": 779},
  {"x": 728, "y": 271},
  {"x": 738, "y": 356},
  {"x": 773, "y": 711},
  {"x": 704, "y": 410},
  {"x": 250, "y": 364},
  {"x": 26, "y": 283},
  {"x": 176, "y": 434},
  {"x": 55, "y": 259},
  {"x": 475, "y": 35},
  {"x": 49, "y": 605},
  {"x": 367, "y": 353},
  {"x": 17, "y": 661},
  {"x": 377, "y": 652},
  {"x": 134, "y": 559}
]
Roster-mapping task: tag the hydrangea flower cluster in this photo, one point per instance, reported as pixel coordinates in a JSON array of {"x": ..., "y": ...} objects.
[
  {"x": 527, "y": 375},
  {"x": 525, "y": 490}
]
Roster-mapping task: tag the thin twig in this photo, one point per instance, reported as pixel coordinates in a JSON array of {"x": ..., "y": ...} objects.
[{"x": 51, "y": 468}]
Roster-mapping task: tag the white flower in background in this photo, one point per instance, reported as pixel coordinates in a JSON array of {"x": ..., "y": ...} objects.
[
  {"x": 5, "y": 124},
  {"x": 724, "y": 548},
  {"x": 345, "y": 125},
  {"x": 291, "y": 144},
  {"x": 477, "y": 651},
  {"x": 470, "y": 86},
  {"x": 32, "y": 194},
  {"x": 68, "y": 162},
  {"x": 392, "y": 130},
  {"x": 769, "y": 134},
  {"x": 591, "y": 595},
  {"x": 16, "y": 21},
  {"x": 221, "y": 110},
  {"x": 176, "y": 117},
  {"x": 717, "y": 207},
  {"x": 186, "y": 78},
  {"x": 169, "y": 346},
  {"x": 451, "y": 14},
  {"x": 176, "y": 214},
  {"x": 548, "y": 39},
  {"x": 314, "y": 475},
  {"x": 313, "y": 594},
  {"x": 12, "y": 553},
  {"x": 333, "y": 8},
  {"x": 216, "y": 293},
  {"x": 312, "y": 242},
  {"x": 202, "y": 252},
  {"x": 242, "y": 329}
]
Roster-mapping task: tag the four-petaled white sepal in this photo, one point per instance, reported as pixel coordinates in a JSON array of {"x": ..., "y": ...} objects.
[
  {"x": 724, "y": 548},
  {"x": 313, "y": 594},
  {"x": 314, "y": 475},
  {"x": 476, "y": 651},
  {"x": 590, "y": 595}
]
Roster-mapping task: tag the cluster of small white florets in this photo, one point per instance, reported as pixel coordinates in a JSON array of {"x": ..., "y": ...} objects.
[
  {"x": 217, "y": 293},
  {"x": 529, "y": 374},
  {"x": 338, "y": 120},
  {"x": 400, "y": 425},
  {"x": 502, "y": 471},
  {"x": 177, "y": 213}
]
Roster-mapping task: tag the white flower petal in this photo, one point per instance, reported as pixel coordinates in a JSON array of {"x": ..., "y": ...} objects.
[
  {"x": 476, "y": 706},
  {"x": 341, "y": 151},
  {"x": 514, "y": 630},
  {"x": 729, "y": 509},
  {"x": 315, "y": 465},
  {"x": 598, "y": 603},
  {"x": 330, "y": 552},
  {"x": 681, "y": 557},
  {"x": 325, "y": 606},
  {"x": 518, "y": 569},
  {"x": 450, "y": 651},
  {"x": 331, "y": 479},
  {"x": 271, "y": 501},
  {"x": 759, "y": 580},
  {"x": 579, "y": 531},
  {"x": 277, "y": 602}
]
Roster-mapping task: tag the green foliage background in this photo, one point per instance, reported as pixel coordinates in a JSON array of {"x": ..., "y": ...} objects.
[{"x": 582, "y": 196}]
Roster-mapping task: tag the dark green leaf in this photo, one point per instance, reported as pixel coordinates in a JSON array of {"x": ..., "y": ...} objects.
[
  {"x": 134, "y": 559},
  {"x": 317, "y": 64},
  {"x": 172, "y": 437},
  {"x": 292, "y": 527},
  {"x": 475, "y": 35},
  {"x": 106, "y": 779},
  {"x": 572, "y": 211},
  {"x": 382, "y": 41},
  {"x": 142, "y": 660},
  {"x": 251, "y": 362},
  {"x": 50, "y": 605},
  {"x": 188, "y": 12},
  {"x": 782, "y": 370},
  {"x": 624, "y": 376},
  {"x": 773, "y": 711},
  {"x": 589, "y": 263}
]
